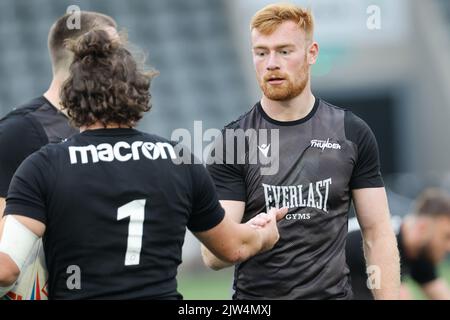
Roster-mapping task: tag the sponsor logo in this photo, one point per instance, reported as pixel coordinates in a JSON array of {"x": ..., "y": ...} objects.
[
  {"x": 312, "y": 195},
  {"x": 298, "y": 216},
  {"x": 264, "y": 149},
  {"x": 325, "y": 144},
  {"x": 121, "y": 151}
]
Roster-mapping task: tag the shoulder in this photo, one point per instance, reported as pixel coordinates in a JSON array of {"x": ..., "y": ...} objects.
[
  {"x": 356, "y": 129},
  {"x": 26, "y": 108},
  {"x": 329, "y": 106},
  {"x": 20, "y": 120},
  {"x": 150, "y": 137},
  {"x": 237, "y": 123},
  {"x": 329, "y": 115},
  {"x": 47, "y": 152}
]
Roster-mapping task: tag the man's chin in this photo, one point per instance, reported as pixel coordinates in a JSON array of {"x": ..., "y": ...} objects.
[{"x": 277, "y": 95}]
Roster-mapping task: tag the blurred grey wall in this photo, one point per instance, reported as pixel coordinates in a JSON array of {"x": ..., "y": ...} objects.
[{"x": 187, "y": 41}]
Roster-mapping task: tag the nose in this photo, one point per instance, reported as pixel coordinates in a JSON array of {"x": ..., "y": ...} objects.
[{"x": 272, "y": 62}]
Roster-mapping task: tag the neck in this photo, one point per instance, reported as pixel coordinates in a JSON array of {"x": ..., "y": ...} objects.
[
  {"x": 99, "y": 125},
  {"x": 289, "y": 110},
  {"x": 52, "y": 94}
]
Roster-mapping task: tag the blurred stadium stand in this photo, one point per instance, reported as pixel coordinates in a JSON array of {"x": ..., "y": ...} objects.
[
  {"x": 395, "y": 78},
  {"x": 187, "y": 41}
]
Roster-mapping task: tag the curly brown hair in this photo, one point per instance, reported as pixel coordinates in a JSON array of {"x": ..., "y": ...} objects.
[{"x": 105, "y": 83}]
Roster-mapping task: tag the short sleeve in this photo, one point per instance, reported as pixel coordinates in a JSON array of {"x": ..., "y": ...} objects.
[
  {"x": 206, "y": 209},
  {"x": 423, "y": 270},
  {"x": 226, "y": 171},
  {"x": 19, "y": 137},
  {"x": 28, "y": 192},
  {"x": 366, "y": 173}
]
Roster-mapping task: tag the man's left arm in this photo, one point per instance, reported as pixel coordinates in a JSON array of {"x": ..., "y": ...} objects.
[{"x": 380, "y": 244}]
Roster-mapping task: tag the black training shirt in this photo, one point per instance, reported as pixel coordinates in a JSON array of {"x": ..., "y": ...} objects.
[
  {"x": 116, "y": 206},
  {"x": 24, "y": 131},
  {"x": 312, "y": 168}
]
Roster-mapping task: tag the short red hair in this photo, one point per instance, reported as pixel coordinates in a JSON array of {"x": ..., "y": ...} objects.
[{"x": 269, "y": 18}]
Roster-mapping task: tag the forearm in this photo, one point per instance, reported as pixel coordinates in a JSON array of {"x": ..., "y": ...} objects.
[
  {"x": 212, "y": 261},
  {"x": 383, "y": 263},
  {"x": 245, "y": 242}
]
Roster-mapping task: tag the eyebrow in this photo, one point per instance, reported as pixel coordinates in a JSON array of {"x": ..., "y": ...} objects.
[{"x": 281, "y": 46}]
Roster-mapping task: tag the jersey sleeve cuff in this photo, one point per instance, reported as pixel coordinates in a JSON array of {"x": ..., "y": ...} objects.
[
  {"x": 208, "y": 221},
  {"x": 367, "y": 183},
  {"x": 28, "y": 211},
  {"x": 228, "y": 195}
]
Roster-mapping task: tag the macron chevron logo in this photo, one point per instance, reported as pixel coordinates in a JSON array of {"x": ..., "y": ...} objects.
[{"x": 264, "y": 148}]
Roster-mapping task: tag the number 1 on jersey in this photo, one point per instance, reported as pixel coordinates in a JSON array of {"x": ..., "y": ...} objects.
[{"x": 136, "y": 211}]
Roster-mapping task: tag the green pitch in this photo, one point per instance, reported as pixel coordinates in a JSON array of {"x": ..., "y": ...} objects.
[{"x": 216, "y": 285}]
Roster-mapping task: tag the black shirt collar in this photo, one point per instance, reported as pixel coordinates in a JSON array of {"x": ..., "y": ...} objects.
[{"x": 289, "y": 123}]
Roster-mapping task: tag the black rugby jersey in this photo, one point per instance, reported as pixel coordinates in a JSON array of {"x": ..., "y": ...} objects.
[
  {"x": 311, "y": 166},
  {"x": 25, "y": 130},
  {"x": 116, "y": 206}
]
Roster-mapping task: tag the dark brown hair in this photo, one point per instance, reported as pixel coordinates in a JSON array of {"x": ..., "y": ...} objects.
[
  {"x": 105, "y": 83},
  {"x": 433, "y": 203},
  {"x": 60, "y": 31}
]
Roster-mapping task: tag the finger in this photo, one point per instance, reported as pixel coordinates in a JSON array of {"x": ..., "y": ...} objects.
[
  {"x": 266, "y": 217},
  {"x": 278, "y": 213},
  {"x": 258, "y": 221}
]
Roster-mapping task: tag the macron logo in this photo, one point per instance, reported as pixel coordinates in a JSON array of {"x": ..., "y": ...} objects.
[
  {"x": 322, "y": 144},
  {"x": 264, "y": 148},
  {"x": 121, "y": 151}
]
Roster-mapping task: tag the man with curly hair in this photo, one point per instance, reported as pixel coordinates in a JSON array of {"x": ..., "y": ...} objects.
[
  {"x": 39, "y": 122},
  {"x": 112, "y": 203}
]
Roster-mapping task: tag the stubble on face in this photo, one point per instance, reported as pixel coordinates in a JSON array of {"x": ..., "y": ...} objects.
[{"x": 291, "y": 87}]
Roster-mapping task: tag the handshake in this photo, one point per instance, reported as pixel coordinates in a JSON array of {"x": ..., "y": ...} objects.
[
  {"x": 232, "y": 242},
  {"x": 266, "y": 223}
]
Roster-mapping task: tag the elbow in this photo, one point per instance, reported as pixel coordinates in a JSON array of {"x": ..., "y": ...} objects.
[
  {"x": 236, "y": 256},
  {"x": 377, "y": 234},
  {"x": 8, "y": 277},
  {"x": 210, "y": 260},
  {"x": 224, "y": 260},
  {"x": 9, "y": 272},
  {"x": 213, "y": 265}
]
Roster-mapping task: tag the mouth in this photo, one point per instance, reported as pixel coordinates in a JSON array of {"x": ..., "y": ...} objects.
[{"x": 275, "y": 80}]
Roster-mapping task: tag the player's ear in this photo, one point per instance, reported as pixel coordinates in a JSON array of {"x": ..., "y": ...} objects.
[{"x": 312, "y": 52}]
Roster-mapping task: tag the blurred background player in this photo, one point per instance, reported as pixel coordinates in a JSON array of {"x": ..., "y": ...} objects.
[
  {"x": 423, "y": 240},
  {"x": 39, "y": 122},
  {"x": 111, "y": 201},
  {"x": 327, "y": 158}
]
